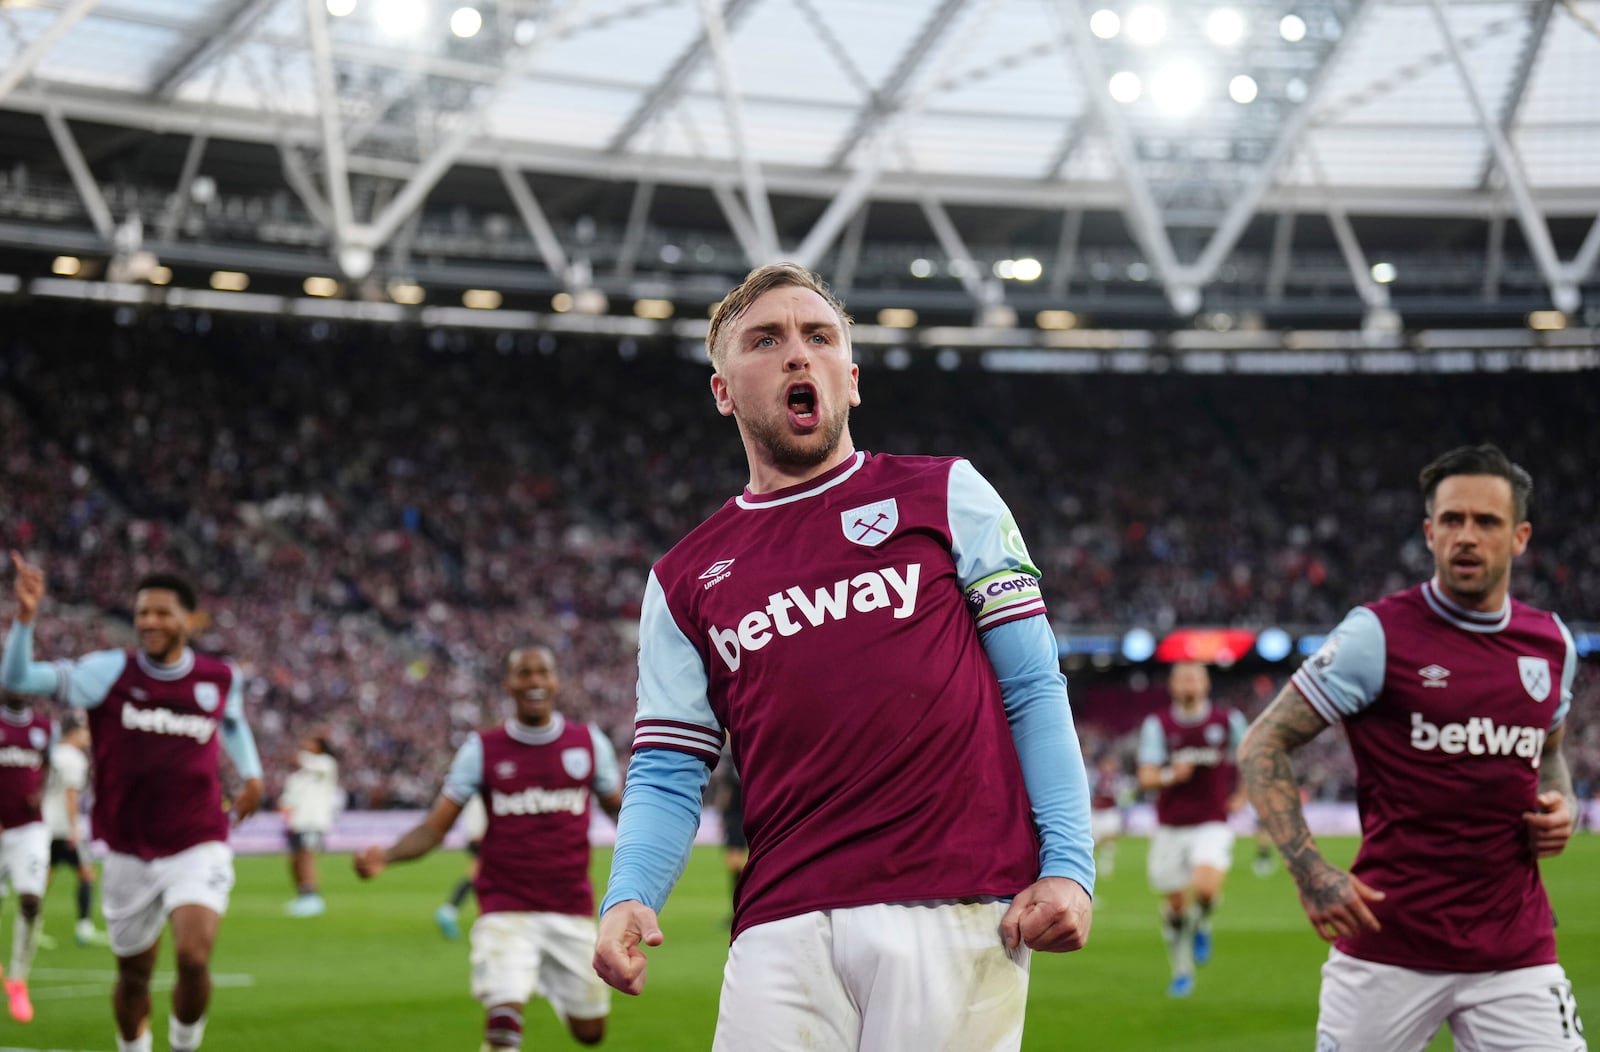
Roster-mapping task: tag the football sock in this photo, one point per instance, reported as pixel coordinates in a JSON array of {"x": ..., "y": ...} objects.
[
  {"x": 1178, "y": 928},
  {"x": 85, "y": 890},
  {"x": 185, "y": 1037},
  {"x": 503, "y": 1027},
  {"x": 24, "y": 941},
  {"x": 138, "y": 1044},
  {"x": 458, "y": 896}
]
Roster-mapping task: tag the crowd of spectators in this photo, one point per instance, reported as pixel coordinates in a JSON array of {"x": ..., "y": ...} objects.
[{"x": 375, "y": 515}]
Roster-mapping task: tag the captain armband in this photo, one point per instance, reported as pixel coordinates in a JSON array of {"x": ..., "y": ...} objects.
[{"x": 1004, "y": 596}]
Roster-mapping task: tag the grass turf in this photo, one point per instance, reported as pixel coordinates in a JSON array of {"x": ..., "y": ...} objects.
[{"x": 374, "y": 972}]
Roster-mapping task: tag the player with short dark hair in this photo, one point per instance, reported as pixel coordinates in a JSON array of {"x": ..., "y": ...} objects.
[
  {"x": 868, "y": 634},
  {"x": 160, "y": 716},
  {"x": 311, "y": 800},
  {"x": 538, "y": 774},
  {"x": 1453, "y": 696}
]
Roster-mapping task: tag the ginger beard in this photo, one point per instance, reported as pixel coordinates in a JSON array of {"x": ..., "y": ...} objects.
[{"x": 788, "y": 449}]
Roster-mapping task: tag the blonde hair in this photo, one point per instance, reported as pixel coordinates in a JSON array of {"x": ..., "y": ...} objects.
[{"x": 756, "y": 284}]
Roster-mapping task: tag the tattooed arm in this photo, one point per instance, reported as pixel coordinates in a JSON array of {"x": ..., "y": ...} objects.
[
  {"x": 1335, "y": 901},
  {"x": 1551, "y": 826}
]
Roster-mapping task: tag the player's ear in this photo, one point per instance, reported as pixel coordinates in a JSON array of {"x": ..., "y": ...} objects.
[
  {"x": 1519, "y": 537},
  {"x": 855, "y": 384},
  {"x": 720, "y": 392}
]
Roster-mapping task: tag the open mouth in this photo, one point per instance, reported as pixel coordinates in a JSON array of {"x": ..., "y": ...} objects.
[
  {"x": 535, "y": 694},
  {"x": 802, "y": 404}
]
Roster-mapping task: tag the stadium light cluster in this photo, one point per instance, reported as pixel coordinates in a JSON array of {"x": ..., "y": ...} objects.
[{"x": 1182, "y": 86}]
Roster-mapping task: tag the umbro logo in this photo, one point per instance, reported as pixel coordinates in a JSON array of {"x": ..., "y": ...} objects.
[
  {"x": 717, "y": 571},
  {"x": 505, "y": 768},
  {"x": 1434, "y": 676}
]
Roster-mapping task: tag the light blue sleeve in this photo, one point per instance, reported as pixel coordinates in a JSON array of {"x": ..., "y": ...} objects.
[
  {"x": 1152, "y": 742},
  {"x": 660, "y": 814},
  {"x": 997, "y": 575},
  {"x": 83, "y": 683},
  {"x": 674, "y": 708},
  {"x": 607, "y": 777},
  {"x": 1238, "y": 727},
  {"x": 1569, "y": 674},
  {"x": 466, "y": 771},
  {"x": 237, "y": 740},
  {"x": 1034, "y": 692},
  {"x": 1346, "y": 674}
]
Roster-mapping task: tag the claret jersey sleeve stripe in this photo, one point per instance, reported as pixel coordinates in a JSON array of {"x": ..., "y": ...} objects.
[
  {"x": 674, "y": 711},
  {"x": 1346, "y": 673},
  {"x": 997, "y": 575}
]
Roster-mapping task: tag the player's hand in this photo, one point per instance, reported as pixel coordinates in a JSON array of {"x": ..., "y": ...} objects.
[
  {"x": 1336, "y": 902},
  {"x": 370, "y": 863},
  {"x": 248, "y": 801},
  {"x": 1051, "y": 915},
  {"x": 1182, "y": 771},
  {"x": 30, "y": 587},
  {"x": 617, "y": 957},
  {"x": 1550, "y": 827}
]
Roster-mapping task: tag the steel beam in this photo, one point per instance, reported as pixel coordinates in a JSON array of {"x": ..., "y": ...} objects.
[
  {"x": 676, "y": 79},
  {"x": 1494, "y": 259},
  {"x": 1066, "y": 252},
  {"x": 180, "y": 196},
  {"x": 1583, "y": 263},
  {"x": 1278, "y": 262},
  {"x": 544, "y": 236},
  {"x": 83, "y": 179},
  {"x": 644, "y": 193},
  {"x": 235, "y": 25},
  {"x": 845, "y": 204},
  {"x": 984, "y": 293},
  {"x": 333, "y": 155},
  {"x": 1538, "y": 24},
  {"x": 755, "y": 187},
  {"x": 844, "y": 273},
  {"x": 23, "y": 64}
]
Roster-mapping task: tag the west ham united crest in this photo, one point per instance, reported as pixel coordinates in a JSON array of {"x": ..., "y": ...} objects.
[
  {"x": 576, "y": 762},
  {"x": 870, "y": 524},
  {"x": 1535, "y": 672},
  {"x": 207, "y": 696}
]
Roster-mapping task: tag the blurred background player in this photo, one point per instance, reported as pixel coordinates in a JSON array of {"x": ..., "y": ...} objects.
[
  {"x": 159, "y": 717},
  {"x": 25, "y": 740},
  {"x": 1186, "y": 752},
  {"x": 1109, "y": 787},
  {"x": 535, "y": 932},
  {"x": 1454, "y": 698},
  {"x": 311, "y": 800},
  {"x": 474, "y": 820},
  {"x": 63, "y": 799}
]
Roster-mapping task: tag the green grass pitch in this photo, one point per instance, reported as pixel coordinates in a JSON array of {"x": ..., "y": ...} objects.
[{"x": 374, "y": 973}]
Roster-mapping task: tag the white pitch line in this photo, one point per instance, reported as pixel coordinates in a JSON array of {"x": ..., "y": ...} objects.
[
  {"x": 8, "y": 1048},
  {"x": 108, "y": 975}
]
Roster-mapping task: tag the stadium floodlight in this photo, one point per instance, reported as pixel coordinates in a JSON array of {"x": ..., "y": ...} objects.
[
  {"x": 897, "y": 318},
  {"x": 1027, "y": 269},
  {"x": 1146, "y": 25},
  {"x": 160, "y": 275},
  {"x": 652, "y": 309},
  {"x": 1056, "y": 320},
  {"x": 1005, "y": 269},
  {"x": 562, "y": 302},
  {"x": 1105, "y": 24},
  {"x": 1242, "y": 89},
  {"x": 229, "y": 281},
  {"x": 1178, "y": 88},
  {"x": 921, "y": 268},
  {"x": 1225, "y": 27},
  {"x": 1274, "y": 644},
  {"x": 1296, "y": 90},
  {"x": 1547, "y": 320},
  {"x": 406, "y": 293},
  {"x": 340, "y": 8},
  {"x": 1292, "y": 28},
  {"x": 465, "y": 22},
  {"x": 1383, "y": 273},
  {"x": 1125, "y": 86},
  {"x": 322, "y": 287},
  {"x": 66, "y": 266},
  {"x": 524, "y": 31},
  {"x": 1139, "y": 645},
  {"x": 482, "y": 299}
]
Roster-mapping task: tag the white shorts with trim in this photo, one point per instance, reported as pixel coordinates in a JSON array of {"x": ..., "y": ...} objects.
[
  {"x": 516, "y": 955},
  {"x": 1176, "y": 851},
  {"x": 25, "y": 858},
  {"x": 1105, "y": 823},
  {"x": 137, "y": 896},
  {"x": 929, "y": 977},
  {"x": 1371, "y": 1007}
]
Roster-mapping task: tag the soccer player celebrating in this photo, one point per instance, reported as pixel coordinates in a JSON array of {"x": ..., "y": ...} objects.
[
  {"x": 69, "y": 776},
  {"x": 868, "y": 633},
  {"x": 159, "y": 716},
  {"x": 1453, "y": 696},
  {"x": 535, "y": 930},
  {"x": 309, "y": 803},
  {"x": 1187, "y": 753},
  {"x": 25, "y": 740}
]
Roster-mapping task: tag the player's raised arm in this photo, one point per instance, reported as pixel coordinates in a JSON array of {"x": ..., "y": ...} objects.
[
  {"x": 414, "y": 843},
  {"x": 1335, "y": 901}
]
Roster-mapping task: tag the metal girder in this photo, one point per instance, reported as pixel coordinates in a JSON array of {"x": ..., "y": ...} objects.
[
  {"x": 755, "y": 188},
  {"x": 1374, "y": 295},
  {"x": 298, "y": 176},
  {"x": 744, "y": 231},
  {"x": 23, "y": 64},
  {"x": 232, "y": 27},
  {"x": 1534, "y": 230},
  {"x": 1066, "y": 252},
  {"x": 984, "y": 293},
  {"x": 533, "y": 217},
  {"x": 1278, "y": 262},
  {"x": 844, "y": 273},
  {"x": 1494, "y": 259},
  {"x": 337, "y": 181},
  {"x": 676, "y": 79},
  {"x": 1246, "y": 204},
  {"x": 644, "y": 193},
  {"x": 180, "y": 196},
  {"x": 1139, "y": 208},
  {"x": 845, "y": 204},
  {"x": 887, "y": 98},
  {"x": 1538, "y": 24},
  {"x": 1071, "y": 139},
  {"x": 1588, "y": 254},
  {"x": 83, "y": 179},
  {"x": 836, "y": 47}
]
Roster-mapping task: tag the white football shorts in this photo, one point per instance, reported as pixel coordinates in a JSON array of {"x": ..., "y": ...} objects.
[
  {"x": 1371, "y": 1007},
  {"x": 1176, "y": 851},
  {"x": 1105, "y": 823},
  {"x": 930, "y": 976},
  {"x": 137, "y": 895},
  {"x": 25, "y": 858},
  {"x": 515, "y": 955}
]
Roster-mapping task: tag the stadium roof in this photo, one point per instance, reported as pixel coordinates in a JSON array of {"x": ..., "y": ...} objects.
[{"x": 1189, "y": 121}]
